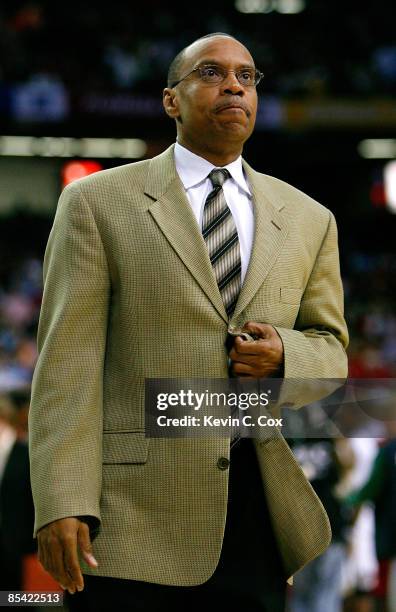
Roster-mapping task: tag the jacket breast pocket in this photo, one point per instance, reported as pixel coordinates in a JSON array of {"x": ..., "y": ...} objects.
[
  {"x": 124, "y": 447},
  {"x": 290, "y": 295}
]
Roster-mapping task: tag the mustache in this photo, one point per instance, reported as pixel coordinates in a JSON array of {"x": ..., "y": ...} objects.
[{"x": 233, "y": 102}]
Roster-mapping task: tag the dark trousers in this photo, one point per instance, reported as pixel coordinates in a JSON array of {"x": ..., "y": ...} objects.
[{"x": 249, "y": 576}]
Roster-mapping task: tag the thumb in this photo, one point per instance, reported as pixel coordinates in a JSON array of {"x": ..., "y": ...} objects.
[
  {"x": 260, "y": 330},
  {"x": 85, "y": 545}
]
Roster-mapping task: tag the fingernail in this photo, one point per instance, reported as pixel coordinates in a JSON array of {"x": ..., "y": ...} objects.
[
  {"x": 92, "y": 559},
  {"x": 79, "y": 588}
]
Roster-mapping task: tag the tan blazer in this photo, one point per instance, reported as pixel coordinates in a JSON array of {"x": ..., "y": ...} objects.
[{"x": 129, "y": 294}]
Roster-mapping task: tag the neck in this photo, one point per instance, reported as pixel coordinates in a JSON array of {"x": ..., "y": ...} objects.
[{"x": 217, "y": 158}]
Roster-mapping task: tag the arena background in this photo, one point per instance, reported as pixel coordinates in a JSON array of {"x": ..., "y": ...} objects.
[{"x": 80, "y": 90}]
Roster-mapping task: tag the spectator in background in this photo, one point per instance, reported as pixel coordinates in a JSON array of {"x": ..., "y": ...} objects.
[
  {"x": 16, "y": 504},
  {"x": 318, "y": 586},
  {"x": 380, "y": 489},
  {"x": 360, "y": 572}
]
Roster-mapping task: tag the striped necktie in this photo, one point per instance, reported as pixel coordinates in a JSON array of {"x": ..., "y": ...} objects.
[{"x": 221, "y": 237}]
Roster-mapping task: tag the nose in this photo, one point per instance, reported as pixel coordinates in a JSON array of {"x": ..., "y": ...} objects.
[{"x": 231, "y": 85}]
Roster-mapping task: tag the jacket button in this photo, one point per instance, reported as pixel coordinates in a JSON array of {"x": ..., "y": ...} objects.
[{"x": 223, "y": 463}]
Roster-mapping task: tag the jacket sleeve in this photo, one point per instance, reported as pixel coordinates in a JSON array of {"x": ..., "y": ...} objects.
[
  {"x": 315, "y": 348},
  {"x": 65, "y": 420}
]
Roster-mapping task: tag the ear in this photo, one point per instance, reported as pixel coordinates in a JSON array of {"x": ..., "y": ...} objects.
[{"x": 171, "y": 103}]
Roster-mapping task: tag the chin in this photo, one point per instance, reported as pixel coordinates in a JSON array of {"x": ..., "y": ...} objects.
[{"x": 237, "y": 129}]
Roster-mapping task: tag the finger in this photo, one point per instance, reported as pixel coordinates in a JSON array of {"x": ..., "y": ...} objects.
[
  {"x": 244, "y": 358},
  {"x": 263, "y": 330},
  {"x": 245, "y": 378},
  {"x": 258, "y": 347},
  {"x": 84, "y": 542},
  {"x": 72, "y": 587},
  {"x": 71, "y": 562},
  {"x": 241, "y": 369},
  {"x": 56, "y": 566},
  {"x": 43, "y": 557}
]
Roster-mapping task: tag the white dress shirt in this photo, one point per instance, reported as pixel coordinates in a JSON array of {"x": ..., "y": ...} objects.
[{"x": 193, "y": 171}]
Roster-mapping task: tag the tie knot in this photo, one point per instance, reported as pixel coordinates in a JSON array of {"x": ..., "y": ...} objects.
[{"x": 218, "y": 176}]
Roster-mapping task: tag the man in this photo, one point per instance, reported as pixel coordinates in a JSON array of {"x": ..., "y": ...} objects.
[{"x": 133, "y": 291}]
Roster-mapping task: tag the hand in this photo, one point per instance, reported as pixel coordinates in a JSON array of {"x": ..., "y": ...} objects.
[
  {"x": 258, "y": 359},
  {"x": 57, "y": 551}
]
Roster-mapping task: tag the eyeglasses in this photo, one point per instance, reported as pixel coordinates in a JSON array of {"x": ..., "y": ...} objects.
[{"x": 213, "y": 75}]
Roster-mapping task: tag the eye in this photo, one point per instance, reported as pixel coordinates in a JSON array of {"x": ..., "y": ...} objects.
[
  {"x": 246, "y": 76},
  {"x": 210, "y": 72}
]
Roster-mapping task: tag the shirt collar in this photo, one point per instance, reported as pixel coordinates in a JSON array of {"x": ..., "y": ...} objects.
[{"x": 194, "y": 169}]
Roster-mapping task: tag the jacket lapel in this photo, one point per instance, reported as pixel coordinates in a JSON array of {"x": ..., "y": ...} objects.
[
  {"x": 173, "y": 214},
  {"x": 271, "y": 230}
]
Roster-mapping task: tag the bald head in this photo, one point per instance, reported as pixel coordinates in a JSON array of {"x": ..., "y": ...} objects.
[
  {"x": 213, "y": 117},
  {"x": 183, "y": 57}
]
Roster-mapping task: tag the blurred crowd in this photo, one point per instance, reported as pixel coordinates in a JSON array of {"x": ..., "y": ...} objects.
[
  {"x": 20, "y": 298},
  {"x": 337, "y": 50},
  {"x": 370, "y": 306}
]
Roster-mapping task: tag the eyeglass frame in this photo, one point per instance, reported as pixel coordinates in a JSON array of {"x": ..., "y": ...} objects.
[{"x": 227, "y": 72}]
